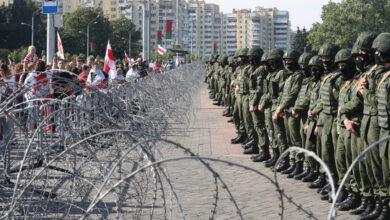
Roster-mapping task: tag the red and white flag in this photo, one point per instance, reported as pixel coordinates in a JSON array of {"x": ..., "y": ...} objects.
[
  {"x": 60, "y": 52},
  {"x": 127, "y": 58},
  {"x": 161, "y": 50},
  {"x": 109, "y": 64}
]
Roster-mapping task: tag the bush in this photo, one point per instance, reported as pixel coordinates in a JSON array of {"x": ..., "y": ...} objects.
[
  {"x": 19, "y": 54},
  {"x": 4, "y": 53}
]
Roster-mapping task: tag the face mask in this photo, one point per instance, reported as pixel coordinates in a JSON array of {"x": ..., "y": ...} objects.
[
  {"x": 378, "y": 59},
  {"x": 316, "y": 73},
  {"x": 305, "y": 71},
  {"x": 346, "y": 71},
  {"x": 268, "y": 66},
  {"x": 274, "y": 64},
  {"x": 327, "y": 64},
  {"x": 360, "y": 64}
]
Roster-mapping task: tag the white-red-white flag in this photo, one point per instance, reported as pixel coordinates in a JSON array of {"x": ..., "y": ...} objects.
[
  {"x": 109, "y": 64},
  {"x": 60, "y": 52},
  {"x": 127, "y": 58},
  {"x": 161, "y": 50}
]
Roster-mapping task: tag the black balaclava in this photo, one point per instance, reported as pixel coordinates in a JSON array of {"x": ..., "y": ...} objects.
[
  {"x": 306, "y": 71},
  {"x": 348, "y": 71},
  {"x": 381, "y": 58},
  {"x": 316, "y": 72},
  {"x": 293, "y": 66}
]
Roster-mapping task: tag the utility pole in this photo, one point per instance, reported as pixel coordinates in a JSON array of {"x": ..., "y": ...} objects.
[
  {"x": 192, "y": 34},
  {"x": 177, "y": 23},
  {"x": 32, "y": 25},
  {"x": 50, "y": 43},
  {"x": 144, "y": 30},
  {"x": 130, "y": 44}
]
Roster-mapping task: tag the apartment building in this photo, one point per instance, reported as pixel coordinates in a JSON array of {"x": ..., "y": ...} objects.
[{"x": 201, "y": 29}]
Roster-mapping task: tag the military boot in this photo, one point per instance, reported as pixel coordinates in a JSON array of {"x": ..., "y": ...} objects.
[
  {"x": 271, "y": 162},
  {"x": 291, "y": 168},
  {"x": 303, "y": 174},
  {"x": 298, "y": 170},
  {"x": 263, "y": 156},
  {"x": 283, "y": 165},
  {"x": 230, "y": 120},
  {"x": 225, "y": 112},
  {"x": 319, "y": 182},
  {"x": 311, "y": 177},
  {"x": 344, "y": 196},
  {"x": 229, "y": 114},
  {"x": 324, "y": 190},
  {"x": 375, "y": 213},
  {"x": 385, "y": 214},
  {"x": 240, "y": 138},
  {"x": 253, "y": 149},
  {"x": 245, "y": 141},
  {"x": 352, "y": 202},
  {"x": 363, "y": 205}
]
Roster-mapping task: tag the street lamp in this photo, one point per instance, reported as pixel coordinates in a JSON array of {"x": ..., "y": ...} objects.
[
  {"x": 129, "y": 41},
  {"x": 32, "y": 25},
  {"x": 94, "y": 22}
]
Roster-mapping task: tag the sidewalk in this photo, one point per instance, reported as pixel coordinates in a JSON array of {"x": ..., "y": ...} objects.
[{"x": 208, "y": 134}]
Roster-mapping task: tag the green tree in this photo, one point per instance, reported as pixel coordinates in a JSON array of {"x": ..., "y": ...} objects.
[
  {"x": 300, "y": 42},
  {"x": 73, "y": 32},
  {"x": 342, "y": 22},
  {"x": 119, "y": 37},
  {"x": 15, "y": 35}
]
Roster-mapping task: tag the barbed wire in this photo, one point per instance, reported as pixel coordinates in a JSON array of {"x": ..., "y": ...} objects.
[{"x": 82, "y": 152}]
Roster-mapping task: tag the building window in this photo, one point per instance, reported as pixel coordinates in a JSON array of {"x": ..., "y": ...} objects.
[{"x": 113, "y": 9}]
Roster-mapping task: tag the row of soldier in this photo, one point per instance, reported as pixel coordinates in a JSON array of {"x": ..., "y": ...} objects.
[{"x": 335, "y": 104}]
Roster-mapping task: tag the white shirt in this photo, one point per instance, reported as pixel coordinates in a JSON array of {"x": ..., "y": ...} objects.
[
  {"x": 95, "y": 77},
  {"x": 132, "y": 74},
  {"x": 41, "y": 90}
]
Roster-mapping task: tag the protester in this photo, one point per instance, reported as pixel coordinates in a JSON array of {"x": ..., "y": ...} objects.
[
  {"x": 132, "y": 74},
  {"x": 31, "y": 57}
]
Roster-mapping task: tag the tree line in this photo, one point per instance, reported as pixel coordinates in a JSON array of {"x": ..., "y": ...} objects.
[
  {"x": 343, "y": 21},
  {"x": 15, "y": 37}
]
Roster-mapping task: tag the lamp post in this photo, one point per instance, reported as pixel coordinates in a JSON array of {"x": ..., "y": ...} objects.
[
  {"x": 129, "y": 42},
  {"x": 93, "y": 21},
  {"x": 32, "y": 25}
]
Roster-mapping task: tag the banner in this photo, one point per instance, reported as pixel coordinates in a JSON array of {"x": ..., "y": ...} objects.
[
  {"x": 168, "y": 29},
  {"x": 161, "y": 50},
  {"x": 60, "y": 52},
  {"x": 159, "y": 37}
]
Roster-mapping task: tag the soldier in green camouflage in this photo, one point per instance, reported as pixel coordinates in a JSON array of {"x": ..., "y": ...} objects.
[
  {"x": 247, "y": 87},
  {"x": 373, "y": 91},
  {"x": 228, "y": 77},
  {"x": 297, "y": 116},
  {"x": 312, "y": 140},
  {"x": 263, "y": 124},
  {"x": 351, "y": 114},
  {"x": 270, "y": 101},
  {"x": 237, "y": 113},
  {"x": 326, "y": 110},
  {"x": 287, "y": 99}
]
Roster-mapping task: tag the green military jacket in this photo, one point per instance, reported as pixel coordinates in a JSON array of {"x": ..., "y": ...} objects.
[
  {"x": 274, "y": 89},
  {"x": 291, "y": 89},
  {"x": 302, "y": 103},
  {"x": 260, "y": 84}
]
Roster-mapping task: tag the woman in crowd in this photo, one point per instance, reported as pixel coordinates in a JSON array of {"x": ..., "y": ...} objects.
[{"x": 7, "y": 86}]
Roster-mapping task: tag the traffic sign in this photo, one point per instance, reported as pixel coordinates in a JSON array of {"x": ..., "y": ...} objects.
[{"x": 49, "y": 6}]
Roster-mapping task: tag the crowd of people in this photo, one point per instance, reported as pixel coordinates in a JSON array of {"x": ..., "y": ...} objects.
[
  {"x": 334, "y": 103},
  {"x": 34, "y": 79}
]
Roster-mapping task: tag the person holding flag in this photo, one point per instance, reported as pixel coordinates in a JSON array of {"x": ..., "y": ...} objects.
[{"x": 109, "y": 65}]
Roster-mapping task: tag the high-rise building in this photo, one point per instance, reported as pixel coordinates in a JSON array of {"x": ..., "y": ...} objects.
[{"x": 198, "y": 27}]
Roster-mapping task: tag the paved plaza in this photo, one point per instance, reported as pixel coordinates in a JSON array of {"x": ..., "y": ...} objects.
[{"x": 208, "y": 134}]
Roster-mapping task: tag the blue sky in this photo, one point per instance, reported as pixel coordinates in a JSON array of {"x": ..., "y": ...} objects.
[{"x": 303, "y": 13}]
